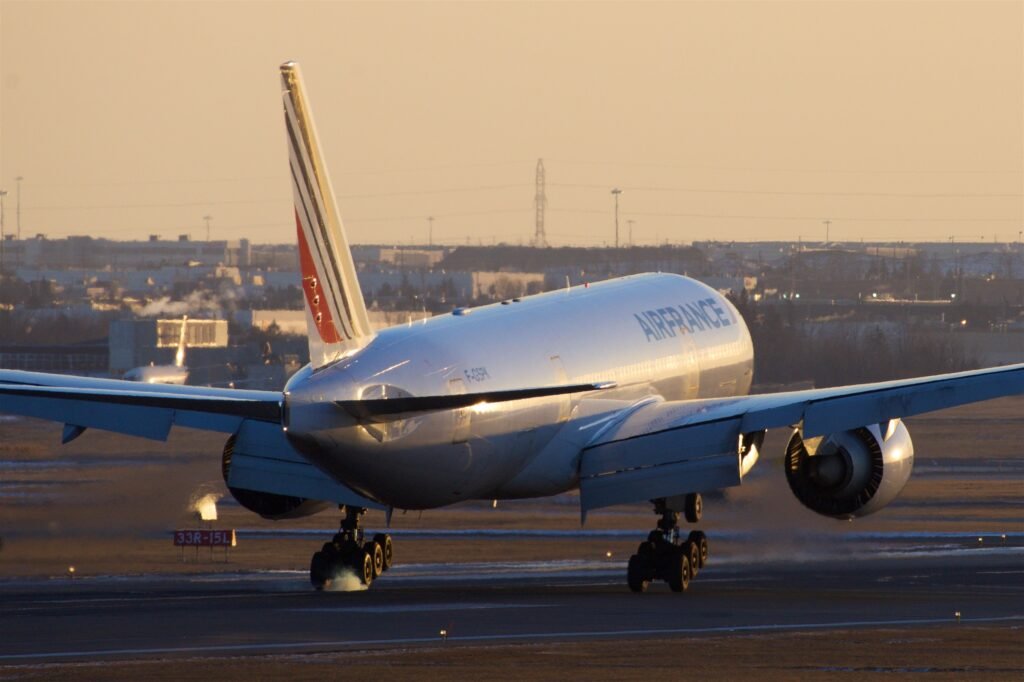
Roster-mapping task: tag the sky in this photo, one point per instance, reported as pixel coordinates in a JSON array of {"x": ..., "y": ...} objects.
[{"x": 718, "y": 120}]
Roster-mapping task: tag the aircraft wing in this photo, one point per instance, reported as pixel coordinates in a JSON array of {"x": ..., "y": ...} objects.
[
  {"x": 146, "y": 410},
  {"x": 664, "y": 448}
]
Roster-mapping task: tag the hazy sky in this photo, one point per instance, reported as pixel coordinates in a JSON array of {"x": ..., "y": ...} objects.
[{"x": 722, "y": 120}]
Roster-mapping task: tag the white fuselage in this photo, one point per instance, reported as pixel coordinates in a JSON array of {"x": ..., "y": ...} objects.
[
  {"x": 158, "y": 374},
  {"x": 658, "y": 335}
]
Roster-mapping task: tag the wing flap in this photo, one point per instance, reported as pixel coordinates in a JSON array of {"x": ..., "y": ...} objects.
[
  {"x": 659, "y": 448},
  {"x": 130, "y": 420},
  {"x": 665, "y": 480}
]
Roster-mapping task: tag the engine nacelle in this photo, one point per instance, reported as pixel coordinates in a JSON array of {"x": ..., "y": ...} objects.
[
  {"x": 267, "y": 505},
  {"x": 850, "y": 473}
]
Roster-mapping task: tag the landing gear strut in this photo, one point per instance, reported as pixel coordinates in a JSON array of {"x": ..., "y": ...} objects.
[
  {"x": 348, "y": 552},
  {"x": 665, "y": 555}
]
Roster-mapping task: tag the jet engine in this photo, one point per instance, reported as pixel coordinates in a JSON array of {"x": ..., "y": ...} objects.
[
  {"x": 267, "y": 505},
  {"x": 850, "y": 473}
]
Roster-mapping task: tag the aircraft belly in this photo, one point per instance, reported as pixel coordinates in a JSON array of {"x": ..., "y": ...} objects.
[{"x": 425, "y": 469}]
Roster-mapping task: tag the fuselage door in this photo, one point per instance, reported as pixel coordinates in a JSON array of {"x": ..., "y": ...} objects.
[
  {"x": 461, "y": 417},
  {"x": 691, "y": 368},
  {"x": 561, "y": 379}
]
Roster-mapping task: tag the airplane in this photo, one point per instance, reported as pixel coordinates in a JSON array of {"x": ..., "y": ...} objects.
[
  {"x": 164, "y": 374},
  {"x": 631, "y": 390}
]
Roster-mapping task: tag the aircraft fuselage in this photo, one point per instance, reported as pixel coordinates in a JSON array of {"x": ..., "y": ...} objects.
[{"x": 658, "y": 335}]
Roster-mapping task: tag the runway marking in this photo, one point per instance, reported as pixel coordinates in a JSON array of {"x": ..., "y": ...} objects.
[
  {"x": 415, "y": 608},
  {"x": 43, "y": 605},
  {"x": 584, "y": 634},
  {"x": 610, "y": 533}
]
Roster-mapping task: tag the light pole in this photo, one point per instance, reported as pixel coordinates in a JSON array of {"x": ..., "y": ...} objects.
[
  {"x": 18, "y": 208},
  {"x": 616, "y": 192},
  {"x": 828, "y": 224},
  {"x": 207, "y": 218},
  {"x": 430, "y": 230},
  {"x": 630, "y": 223},
  {"x": 3, "y": 193}
]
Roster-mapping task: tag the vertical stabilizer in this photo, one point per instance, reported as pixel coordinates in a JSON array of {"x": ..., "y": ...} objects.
[
  {"x": 336, "y": 318},
  {"x": 179, "y": 357}
]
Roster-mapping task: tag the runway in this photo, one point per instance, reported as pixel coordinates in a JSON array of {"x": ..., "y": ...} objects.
[
  {"x": 521, "y": 590},
  {"x": 263, "y": 612}
]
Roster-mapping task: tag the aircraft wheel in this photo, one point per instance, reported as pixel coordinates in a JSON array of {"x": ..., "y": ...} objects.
[
  {"x": 376, "y": 553},
  {"x": 320, "y": 570},
  {"x": 387, "y": 549},
  {"x": 645, "y": 550},
  {"x": 698, "y": 538},
  {"x": 693, "y": 507},
  {"x": 636, "y": 574},
  {"x": 363, "y": 561},
  {"x": 678, "y": 574},
  {"x": 692, "y": 552}
]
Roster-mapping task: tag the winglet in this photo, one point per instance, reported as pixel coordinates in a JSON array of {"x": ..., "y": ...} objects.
[{"x": 336, "y": 318}]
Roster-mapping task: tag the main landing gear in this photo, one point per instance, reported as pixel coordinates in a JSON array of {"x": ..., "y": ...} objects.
[
  {"x": 348, "y": 552},
  {"x": 664, "y": 555}
]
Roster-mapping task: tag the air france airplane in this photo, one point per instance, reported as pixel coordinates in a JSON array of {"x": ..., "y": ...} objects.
[
  {"x": 164, "y": 374},
  {"x": 629, "y": 390}
]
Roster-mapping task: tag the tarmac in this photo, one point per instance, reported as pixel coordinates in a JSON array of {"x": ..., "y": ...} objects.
[
  {"x": 518, "y": 591},
  {"x": 903, "y": 581}
]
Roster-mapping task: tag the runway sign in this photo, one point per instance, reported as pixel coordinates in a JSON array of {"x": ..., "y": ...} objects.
[{"x": 204, "y": 538}]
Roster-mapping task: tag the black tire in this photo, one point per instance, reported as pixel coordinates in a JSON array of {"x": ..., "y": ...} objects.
[
  {"x": 678, "y": 577},
  {"x": 692, "y": 552},
  {"x": 386, "y": 547},
  {"x": 636, "y": 575},
  {"x": 376, "y": 553},
  {"x": 320, "y": 570},
  {"x": 693, "y": 509},
  {"x": 698, "y": 538},
  {"x": 645, "y": 550},
  {"x": 364, "y": 567}
]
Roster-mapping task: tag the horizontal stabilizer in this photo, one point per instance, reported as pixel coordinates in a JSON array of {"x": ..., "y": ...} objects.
[{"x": 389, "y": 407}]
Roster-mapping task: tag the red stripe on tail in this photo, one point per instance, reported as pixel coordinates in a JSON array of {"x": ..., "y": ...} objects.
[{"x": 314, "y": 291}]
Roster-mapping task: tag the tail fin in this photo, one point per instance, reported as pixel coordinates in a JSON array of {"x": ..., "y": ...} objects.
[
  {"x": 336, "y": 318},
  {"x": 179, "y": 357}
]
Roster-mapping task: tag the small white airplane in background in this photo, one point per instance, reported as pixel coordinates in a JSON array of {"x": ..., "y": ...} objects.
[
  {"x": 629, "y": 390},
  {"x": 164, "y": 374}
]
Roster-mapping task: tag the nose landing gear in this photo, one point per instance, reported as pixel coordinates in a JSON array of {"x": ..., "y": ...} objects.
[
  {"x": 665, "y": 555},
  {"x": 347, "y": 552}
]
